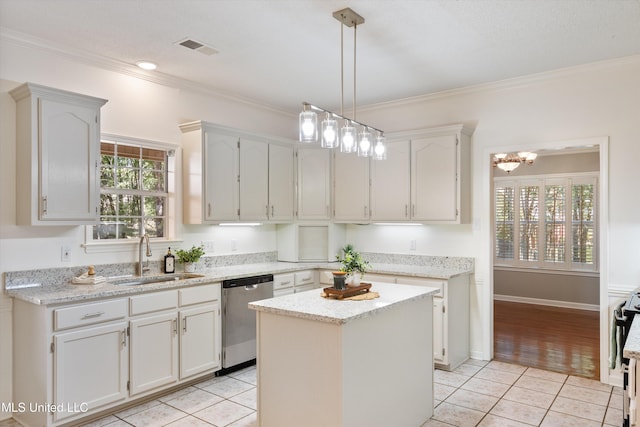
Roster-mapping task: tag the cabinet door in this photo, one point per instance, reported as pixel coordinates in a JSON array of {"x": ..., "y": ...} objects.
[
  {"x": 90, "y": 366},
  {"x": 351, "y": 187},
  {"x": 314, "y": 183},
  {"x": 221, "y": 177},
  {"x": 434, "y": 191},
  {"x": 69, "y": 147},
  {"x": 154, "y": 352},
  {"x": 200, "y": 339},
  {"x": 439, "y": 331},
  {"x": 390, "y": 179},
  {"x": 281, "y": 180},
  {"x": 254, "y": 180}
]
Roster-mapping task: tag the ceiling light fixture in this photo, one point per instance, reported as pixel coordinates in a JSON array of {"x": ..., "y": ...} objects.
[
  {"x": 508, "y": 162},
  {"x": 146, "y": 65},
  {"x": 353, "y": 136}
]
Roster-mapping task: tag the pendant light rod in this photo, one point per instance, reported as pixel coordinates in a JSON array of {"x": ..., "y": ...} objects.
[{"x": 307, "y": 105}]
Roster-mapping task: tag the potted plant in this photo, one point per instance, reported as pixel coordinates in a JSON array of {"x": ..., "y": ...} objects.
[
  {"x": 353, "y": 264},
  {"x": 189, "y": 257}
]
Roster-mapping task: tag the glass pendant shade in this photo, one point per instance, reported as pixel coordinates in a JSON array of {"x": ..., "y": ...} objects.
[
  {"x": 364, "y": 144},
  {"x": 348, "y": 138},
  {"x": 308, "y": 126},
  {"x": 380, "y": 151},
  {"x": 329, "y": 133}
]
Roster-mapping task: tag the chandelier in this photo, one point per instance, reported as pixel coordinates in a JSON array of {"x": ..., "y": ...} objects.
[
  {"x": 510, "y": 161},
  {"x": 352, "y": 136}
]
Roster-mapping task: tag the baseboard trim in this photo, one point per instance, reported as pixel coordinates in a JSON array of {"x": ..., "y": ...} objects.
[{"x": 549, "y": 302}]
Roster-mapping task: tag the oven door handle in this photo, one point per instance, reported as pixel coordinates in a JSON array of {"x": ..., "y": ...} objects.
[{"x": 632, "y": 391}]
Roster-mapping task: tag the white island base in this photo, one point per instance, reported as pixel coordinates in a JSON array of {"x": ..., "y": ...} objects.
[{"x": 346, "y": 363}]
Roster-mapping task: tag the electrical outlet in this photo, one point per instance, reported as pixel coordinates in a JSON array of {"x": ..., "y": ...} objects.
[
  {"x": 413, "y": 245},
  {"x": 65, "y": 253},
  {"x": 208, "y": 245}
]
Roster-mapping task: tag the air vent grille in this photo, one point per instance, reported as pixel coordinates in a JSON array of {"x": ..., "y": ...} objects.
[{"x": 197, "y": 46}]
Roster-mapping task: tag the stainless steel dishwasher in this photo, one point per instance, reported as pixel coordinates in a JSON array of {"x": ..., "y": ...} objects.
[{"x": 238, "y": 321}]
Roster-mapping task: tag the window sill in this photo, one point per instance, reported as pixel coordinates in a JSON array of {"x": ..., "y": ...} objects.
[
  {"x": 540, "y": 270},
  {"x": 126, "y": 246}
]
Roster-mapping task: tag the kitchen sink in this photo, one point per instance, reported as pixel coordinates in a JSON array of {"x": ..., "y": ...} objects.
[{"x": 135, "y": 281}]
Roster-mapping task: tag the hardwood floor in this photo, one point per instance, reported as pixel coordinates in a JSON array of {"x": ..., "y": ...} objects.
[{"x": 551, "y": 338}]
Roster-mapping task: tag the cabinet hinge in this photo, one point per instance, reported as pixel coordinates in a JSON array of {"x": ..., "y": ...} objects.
[
  {"x": 444, "y": 309},
  {"x": 96, "y": 117},
  {"x": 52, "y": 347},
  {"x": 457, "y": 140},
  {"x": 238, "y": 143},
  {"x": 443, "y": 352},
  {"x": 128, "y": 330},
  {"x": 238, "y": 211},
  {"x": 128, "y": 385}
]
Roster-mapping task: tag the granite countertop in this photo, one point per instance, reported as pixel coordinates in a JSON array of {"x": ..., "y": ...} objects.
[
  {"x": 64, "y": 292},
  {"x": 632, "y": 345},
  {"x": 312, "y": 306}
]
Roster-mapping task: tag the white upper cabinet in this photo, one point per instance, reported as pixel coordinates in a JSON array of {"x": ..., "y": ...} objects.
[
  {"x": 230, "y": 175},
  {"x": 314, "y": 183},
  {"x": 440, "y": 175},
  {"x": 350, "y": 187},
  {"x": 390, "y": 183},
  {"x": 221, "y": 176},
  {"x": 281, "y": 182},
  {"x": 254, "y": 183},
  {"x": 57, "y": 156}
]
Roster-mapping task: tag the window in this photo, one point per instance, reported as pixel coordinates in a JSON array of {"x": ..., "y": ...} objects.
[
  {"x": 546, "y": 223},
  {"x": 133, "y": 190}
]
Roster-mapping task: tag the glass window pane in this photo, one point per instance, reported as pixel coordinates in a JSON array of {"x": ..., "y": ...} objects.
[
  {"x": 529, "y": 223},
  {"x": 154, "y": 227},
  {"x": 154, "y": 206},
  {"x": 108, "y": 204},
  {"x": 554, "y": 219},
  {"x": 128, "y": 179},
  {"x": 152, "y": 180},
  {"x": 583, "y": 223},
  {"x": 504, "y": 215},
  {"x": 129, "y": 205}
]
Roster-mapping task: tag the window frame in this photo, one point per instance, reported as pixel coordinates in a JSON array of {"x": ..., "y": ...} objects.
[
  {"x": 542, "y": 181},
  {"x": 92, "y": 245}
]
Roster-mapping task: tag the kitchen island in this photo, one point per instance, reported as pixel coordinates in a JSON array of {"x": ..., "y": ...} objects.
[{"x": 325, "y": 362}]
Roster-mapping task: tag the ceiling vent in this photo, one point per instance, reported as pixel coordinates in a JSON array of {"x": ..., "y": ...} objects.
[{"x": 197, "y": 46}]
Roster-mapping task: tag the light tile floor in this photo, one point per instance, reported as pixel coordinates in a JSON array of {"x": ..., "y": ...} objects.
[{"x": 476, "y": 394}]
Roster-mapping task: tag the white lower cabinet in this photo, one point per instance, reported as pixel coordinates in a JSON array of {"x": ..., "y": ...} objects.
[
  {"x": 80, "y": 359},
  {"x": 90, "y": 369},
  {"x": 283, "y": 284}
]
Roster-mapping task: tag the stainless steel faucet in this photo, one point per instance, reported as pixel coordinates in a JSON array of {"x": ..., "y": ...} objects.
[{"x": 141, "y": 268}]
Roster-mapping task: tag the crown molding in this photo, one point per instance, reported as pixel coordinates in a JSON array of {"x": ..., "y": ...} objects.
[{"x": 515, "y": 82}]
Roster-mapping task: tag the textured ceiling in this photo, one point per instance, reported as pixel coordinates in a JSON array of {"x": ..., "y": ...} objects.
[{"x": 282, "y": 52}]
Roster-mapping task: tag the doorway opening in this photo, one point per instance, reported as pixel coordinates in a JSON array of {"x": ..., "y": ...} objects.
[{"x": 546, "y": 295}]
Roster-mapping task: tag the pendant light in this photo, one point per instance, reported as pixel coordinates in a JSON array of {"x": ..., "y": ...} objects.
[{"x": 353, "y": 136}]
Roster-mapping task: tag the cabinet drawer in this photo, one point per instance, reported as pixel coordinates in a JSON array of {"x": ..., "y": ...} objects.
[
  {"x": 156, "y": 301},
  {"x": 440, "y": 284},
  {"x": 283, "y": 281},
  {"x": 88, "y": 314},
  {"x": 305, "y": 278},
  {"x": 199, "y": 294}
]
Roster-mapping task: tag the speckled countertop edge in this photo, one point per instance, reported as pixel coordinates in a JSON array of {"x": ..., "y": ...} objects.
[
  {"x": 311, "y": 305},
  {"x": 632, "y": 345},
  {"x": 49, "y": 294}
]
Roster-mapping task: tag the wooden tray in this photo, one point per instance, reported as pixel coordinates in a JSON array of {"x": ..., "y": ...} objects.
[{"x": 349, "y": 292}]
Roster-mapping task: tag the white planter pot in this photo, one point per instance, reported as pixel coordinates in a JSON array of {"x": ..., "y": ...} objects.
[{"x": 189, "y": 267}]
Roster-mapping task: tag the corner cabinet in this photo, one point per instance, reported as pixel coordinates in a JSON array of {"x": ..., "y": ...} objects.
[
  {"x": 57, "y": 156},
  {"x": 441, "y": 175},
  {"x": 229, "y": 175}
]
